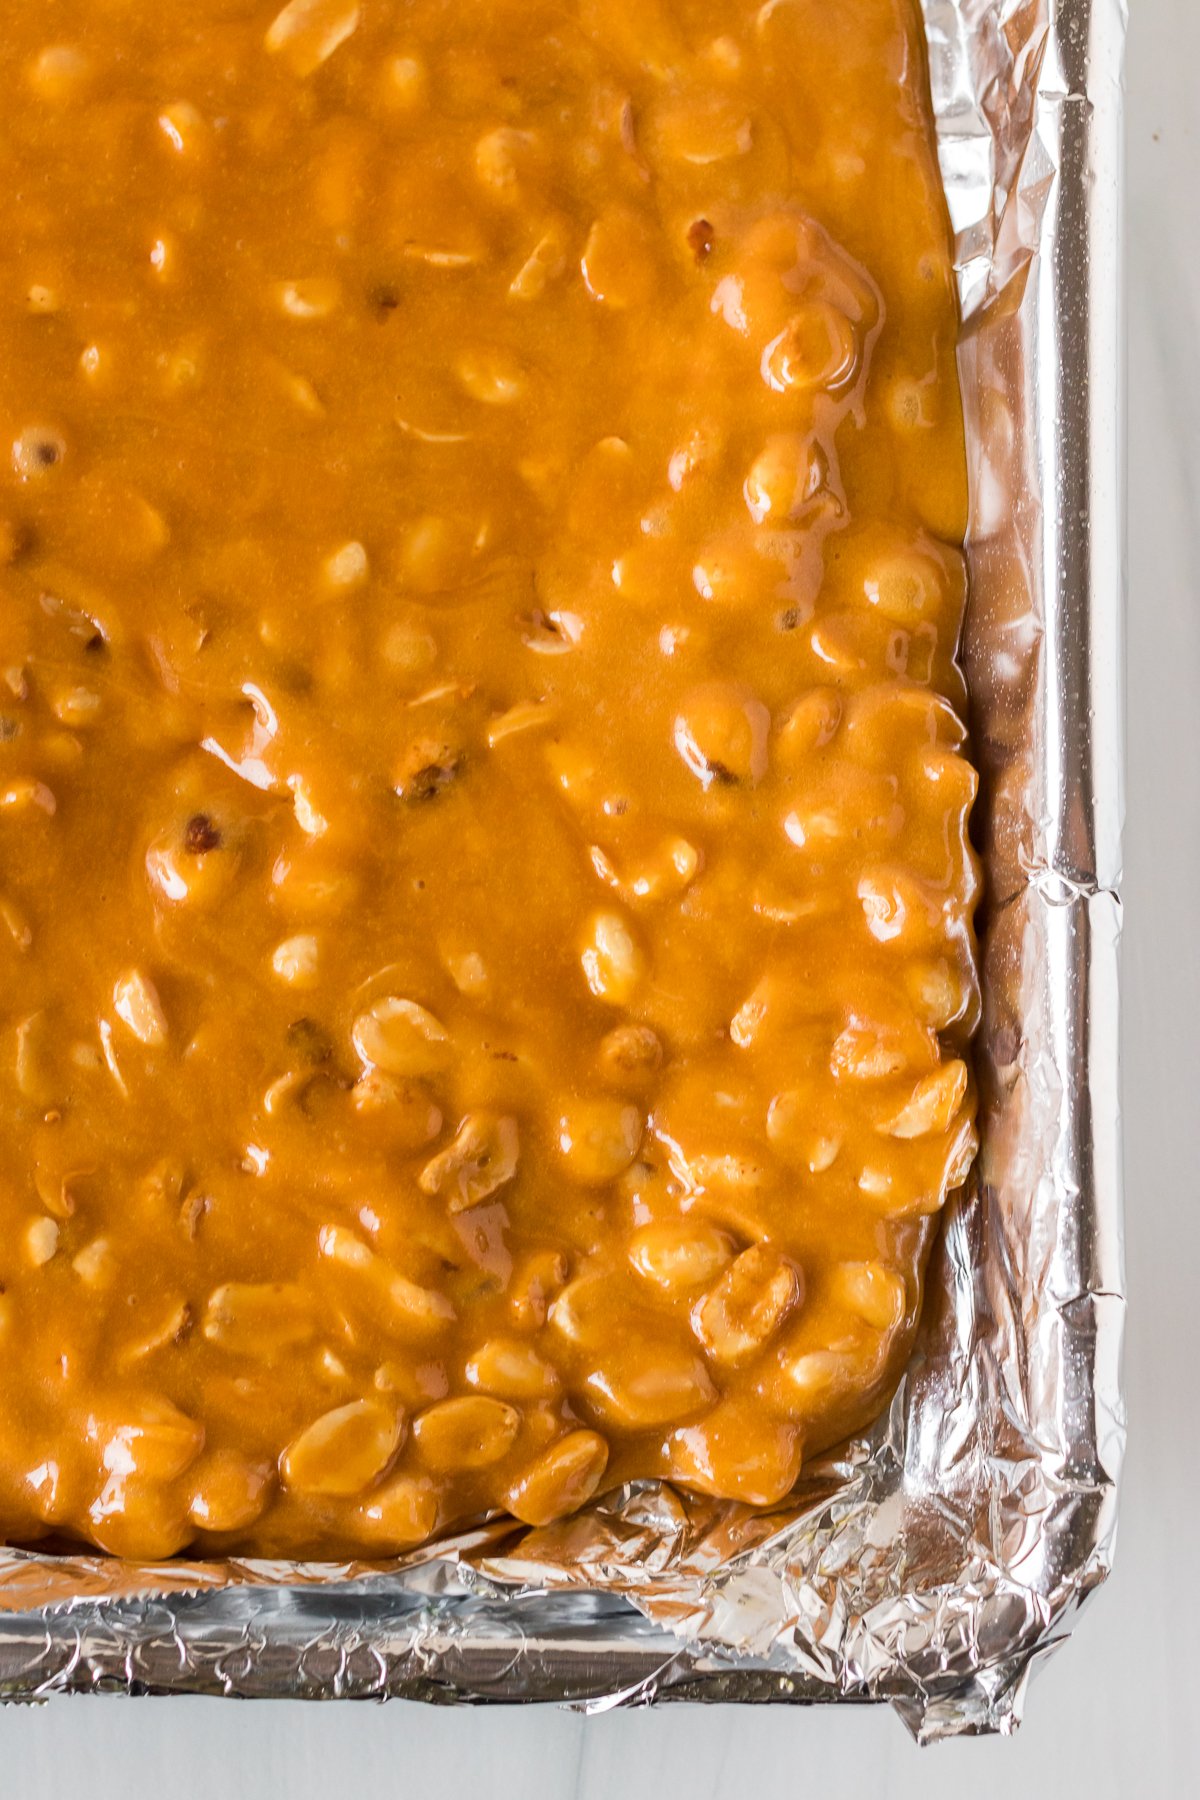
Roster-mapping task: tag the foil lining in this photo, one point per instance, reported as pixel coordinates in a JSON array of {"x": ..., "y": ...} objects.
[{"x": 933, "y": 1562}]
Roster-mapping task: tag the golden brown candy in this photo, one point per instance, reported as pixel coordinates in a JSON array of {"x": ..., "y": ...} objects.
[{"x": 486, "y": 957}]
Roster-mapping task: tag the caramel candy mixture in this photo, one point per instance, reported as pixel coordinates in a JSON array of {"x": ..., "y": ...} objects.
[{"x": 486, "y": 960}]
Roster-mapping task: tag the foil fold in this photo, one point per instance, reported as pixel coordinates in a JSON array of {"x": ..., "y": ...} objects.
[{"x": 935, "y": 1561}]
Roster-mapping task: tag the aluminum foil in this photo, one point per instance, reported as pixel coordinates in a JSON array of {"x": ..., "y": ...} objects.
[{"x": 933, "y": 1562}]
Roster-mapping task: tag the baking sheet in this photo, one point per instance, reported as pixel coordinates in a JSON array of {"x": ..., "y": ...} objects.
[{"x": 935, "y": 1561}]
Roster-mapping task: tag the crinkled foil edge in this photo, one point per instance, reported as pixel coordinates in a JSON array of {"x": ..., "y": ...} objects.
[{"x": 935, "y": 1561}]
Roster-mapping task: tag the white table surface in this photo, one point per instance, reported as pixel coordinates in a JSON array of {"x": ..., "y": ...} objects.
[{"x": 1114, "y": 1712}]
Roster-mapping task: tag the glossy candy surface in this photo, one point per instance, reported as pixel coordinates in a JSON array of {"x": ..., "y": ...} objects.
[{"x": 486, "y": 963}]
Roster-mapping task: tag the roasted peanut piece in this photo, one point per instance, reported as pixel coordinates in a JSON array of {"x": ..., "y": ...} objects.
[
  {"x": 344, "y": 1451},
  {"x": 467, "y": 1433},
  {"x": 138, "y": 1518},
  {"x": 560, "y": 1481},
  {"x": 346, "y": 568},
  {"x": 870, "y": 1052},
  {"x": 872, "y": 1291},
  {"x": 784, "y": 475},
  {"x": 153, "y": 1439},
  {"x": 491, "y": 377},
  {"x": 597, "y": 1139},
  {"x": 679, "y": 1257},
  {"x": 815, "y": 349},
  {"x": 59, "y": 72},
  {"x": 94, "y": 1263},
  {"x": 545, "y": 263},
  {"x": 41, "y": 1241},
  {"x": 630, "y": 1056},
  {"x": 613, "y": 960},
  {"x": 482, "y": 1158},
  {"x": 932, "y": 1105},
  {"x": 400, "y": 1114},
  {"x": 819, "y": 1377},
  {"x": 534, "y": 1286},
  {"x": 510, "y": 1367},
  {"x": 404, "y": 1306},
  {"x": 668, "y": 870},
  {"x": 259, "y": 1319},
  {"x": 311, "y": 298},
  {"x": 721, "y": 735},
  {"x": 748, "y": 1304},
  {"x": 296, "y": 960},
  {"x": 618, "y": 261},
  {"x": 306, "y": 32},
  {"x": 580, "y": 1311},
  {"x": 137, "y": 1005},
  {"x": 644, "y": 1384},
  {"x": 737, "y": 1453},
  {"x": 401, "y": 1513},
  {"x": 401, "y": 1038},
  {"x": 228, "y": 1493},
  {"x": 797, "y": 1136}
]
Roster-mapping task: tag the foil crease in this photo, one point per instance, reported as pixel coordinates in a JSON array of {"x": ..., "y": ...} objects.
[{"x": 933, "y": 1562}]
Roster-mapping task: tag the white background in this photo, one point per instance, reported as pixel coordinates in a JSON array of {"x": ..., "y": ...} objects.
[{"x": 1112, "y": 1713}]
